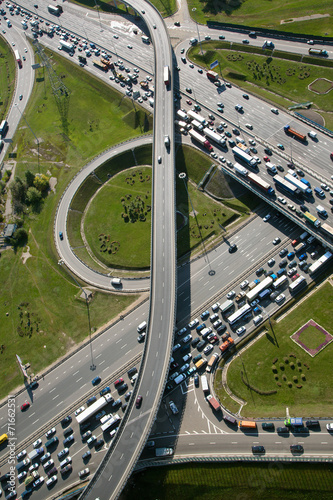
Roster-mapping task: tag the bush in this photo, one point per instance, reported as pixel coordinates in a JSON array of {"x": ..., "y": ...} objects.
[
  {"x": 286, "y": 360},
  {"x": 284, "y": 377},
  {"x": 299, "y": 362},
  {"x": 290, "y": 384},
  {"x": 299, "y": 386},
  {"x": 279, "y": 384},
  {"x": 295, "y": 379},
  {"x": 292, "y": 365},
  {"x": 299, "y": 368},
  {"x": 281, "y": 366},
  {"x": 274, "y": 369},
  {"x": 303, "y": 377},
  {"x": 275, "y": 361},
  {"x": 276, "y": 377}
]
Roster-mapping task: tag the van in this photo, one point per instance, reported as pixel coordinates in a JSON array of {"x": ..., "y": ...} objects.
[
  {"x": 257, "y": 319},
  {"x": 180, "y": 378},
  {"x": 271, "y": 168},
  {"x": 132, "y": 371},
  {"x": 319, "y": 192},
  {"x": 230, "y": 420},
  {"x": 312, "y": 134},
  {"x": 142, "y": 326},
  {"x": 193, "y": 41},
  {"x": 311, "y": 240},
  {"x": 167, "y": 141},
  {"x": 133, "y": 379},
  {"x": 68, "y": 431},
  {"x": 304, "y": 236},
  {"x": 116, "y": 282},
  {"x": 321, "y": 211}
]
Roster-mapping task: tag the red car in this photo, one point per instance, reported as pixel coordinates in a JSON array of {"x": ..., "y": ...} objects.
[
  {"x": 120, "y": 381},
  {"x": 25, "y": 406},
  {"x": 295, "y": 277},
  {"x": 266, "y": 158},
  {"x": 138, "y": 401},
  {"x": 189, "y": 102},
  {"x": 214, "y": 339}
]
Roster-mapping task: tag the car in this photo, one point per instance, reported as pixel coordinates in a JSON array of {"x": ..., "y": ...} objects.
[
  {"x": 208, "y": 348},
  {"x": 282, "y": 430},
  {"x": 68, "y": 440},
  {"x": 21, "y": 455},
  {"x": 50, "y": 433},
  {"x": 65, "y": 421},
  {"x": 66, "y": 469},
  {"x": 232, "y": 248},
  {"x": 267, "y": 426},
  {"x": 259, "y": 271},
  {"x": 201, "y": 344},
  {"x": 106, "y": 390},
  {"x": 281, "y": 200},
  {"x": 282, "y": 264},
  {"x": 91, "y": 440},
  {"x": 280, "y": 298},
  {"x": 244, "y": 284},
  {"x": 200, "y": 71},
  {"x": 292, "y": 207},
  {"x": 100, "y": 415},
  {"x": 245, "y": 41},
  {"x": 245, "y": 96},
  {"x": 45, "y": 457},
  {"x": 63, "y": 453},
  {"x": 86, "y": 435},
  {"x": 212, "y": 338},
  {"x": 195, "y": 341},
  {"x": 214, "y": 317},
  {"x": 324, "y": 187},
  {"x": 48, "y": 464},
  {"x": 187, "y": 339},
  {"x": 83, "y": 473},
  {"x": 120, "y": 381},
  {"x": 196, "y": 380},
  {"x": 79, "y": 410},
  {"x": 271, "y": 262},
  {"x": 37, "y": 483},
  {"x": 254, "y": 303},
  {"x": 129, "y": 46},
  {"x": 254, "y": 150},
  {"x": 293, "y": 278},
  {"x": 189, "y": 102},
  {"x": 25, "y": 406},
  {"x": 53, "y": 479},
  {"x": 303, "y": 256},
  {"x": 86, "y": 455},
  {"x": 99, "y": 443},
  {"x": 184, "y": 368},
  {"x": 280, "y": 146},
  {"x": 22, "y": 475},
  {"x": 204, "y": 315},
  {"x": 296, "y": 448},
  {"x": 217, "y": 324},
  {"x": 267, "y": 217},
  {"x": 20, "y": 97},
  {"x": 280, "y": 168},
  {"x": 276, "y": 240},
  {"x": 176, "y": 347},
  {"x": 310, "y": 42},
  {"x": 193, "y": 323},
  {"x": 182, "y": 331},
  {"x": 292, "y": 264},
  {"x": 96, "y": 380},
  {"x": 239, "y": 108},
  {"x": 138, "y": 402},
  {"x": 207, "y": 37},
  {"x": 241, "y": 330},
  {"x": 329, "y": 427},
  {"x": 189, "y": 90},
  {"x": 258, "y": 449},
  {"x": 300, "y": 172},
  {"x": 230, "y": 295},
  {"x": 275, "y": 111},
  {"x": 283, "y": 252},
  {"x": 292, "y": 271},
  {"x": 191, "y": 66}
]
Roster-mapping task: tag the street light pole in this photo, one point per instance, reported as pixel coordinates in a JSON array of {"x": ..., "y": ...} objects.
[
  {"x": 99, "y": 17},
  {"x": 33, "y": 133},
  {"x": 194, "y": 10},
  {"x": 61, "y": 262}
]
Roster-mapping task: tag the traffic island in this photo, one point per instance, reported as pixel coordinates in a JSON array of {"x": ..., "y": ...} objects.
[{"x": 312, "y": 337}]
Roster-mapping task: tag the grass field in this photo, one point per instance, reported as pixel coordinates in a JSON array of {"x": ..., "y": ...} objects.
[
  {"x": 48, "y": 296},
  {"x": 281, "y": 81},
  {"x": 166, "y": 8},
  {"x": 7, "y": 77},
  {"x": 262, "y": 14},
  {"x": 234, "y": 481},
  {"x": 275, "y": 362}
]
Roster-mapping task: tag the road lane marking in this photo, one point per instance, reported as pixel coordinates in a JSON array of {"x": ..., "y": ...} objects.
[
  {"x": 55, "y": 397},
  {"x": 59, "y": 404},
  {"x": 32, "y": 414},
  {"x": 78, "y": 380},
  {"x": 123, "y": 346},
  {"x": 54, "y": 388},
  {"x": 35, "y": 422},
  {"x": 76, "y": 373}
]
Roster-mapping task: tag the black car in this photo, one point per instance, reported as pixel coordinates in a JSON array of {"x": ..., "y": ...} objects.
[
  {"x": 195, "y": 341},
  {"x": 232, "y": 248},
  {"x": 99, "y": 443},
  {"x": 283, "y": 252},
  {"x": 201, "y": 344},
  {"x": 258, "y": 449},
  {"x": 296, "y": 448},
  {"x": 68, "y": 440},
  {"x": 267, "y": 426},
  {"x": 235, "y": 131},
  {"x": 273, "y": 295},
  {"x": 259, "y": 271},
  {"x": 268, "y": 151},
  {"x": 221, "y": 329},
  {"x": 67, "y": 420},
  {"x": 196, "y": 380},
  {"x": 283, "y": 263},
  {"x": 68, "y": 431},
  {"x": 84, "y": 426},
  {"x": 5, "y": 477},
  {"x": 282, "y": 430},
  {"x": 86, "y": 455},
  {"x": 312, "y": 423}
]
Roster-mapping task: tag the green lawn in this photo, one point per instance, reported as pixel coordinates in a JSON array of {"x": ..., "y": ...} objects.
[
  {"x": 248, "y": 481},
  {"x": 268, "y": 365},
  {"x": 278, "y": 79},
  {"x": 7, "y": 77},
  {"x": 263, "y": 14},
  {"x": 165, "y": 7}
]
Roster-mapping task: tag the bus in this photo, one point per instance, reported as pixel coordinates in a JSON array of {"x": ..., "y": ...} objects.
[
  {"x": 247, "y": 424},
  {"x": 204, "y": 383},
  {"x": 3, "y": 438},
  {"x": 195, "y": 116},
  {"x": 239, "y": 314},
  {"x": 112, "y": 422},
  {"x": 327, "y": 229},
  {"x": 226, "y": 306},
  {"x": 280, "y": 281},
  {"x": 3, "y": 128},
  {"x": 18, "y": 58},
  {"x": 166, "y": 75},
  {"x": 297, "y": 284},
  {"x": 248, "y": 159},
  {"x": 320, "y": 262},
  {"x": 253, "y": 294}
]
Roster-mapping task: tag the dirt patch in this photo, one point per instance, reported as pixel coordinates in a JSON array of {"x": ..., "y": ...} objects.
[{"x": 314, "y": 116}]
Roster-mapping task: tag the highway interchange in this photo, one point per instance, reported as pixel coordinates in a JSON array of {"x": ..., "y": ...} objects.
[{"x": 197, "y": 286}]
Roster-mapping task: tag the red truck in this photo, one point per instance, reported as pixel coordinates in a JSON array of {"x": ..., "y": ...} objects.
[
  {"x": 212, "y": 76},
  {"x": 294, "y": 133},
  {"x": 223, "y": 347},
  {"x": 213, "y": 403}
]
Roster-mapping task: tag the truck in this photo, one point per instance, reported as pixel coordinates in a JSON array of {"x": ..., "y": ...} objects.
[
  {"x": 321, "y": 262},
  {"x": 311, "y": 219},
  {"x": 166, "y": 75},
  {"x": 318, "y": 52},
  {"x": 268, "y": 45},
  {"x": 211, "y": 75},
  {"x": 243, "y": 147},
  {"x": 100, "y": 65},
  {"x": 111, "y": 423},
  {"x": 201, "y": 139},
  {"x": 195, "y": 116},
  {"x": 212, "y": 362},
  {"x": 265, "y": 294},
  {"x": 240, "y": 170},
  {"x": 163, "y": 452},
  {"x": 280, "y": 281},
  {"x": 18, "y": 58},
  {"x": 182, "y": 115},
  {"x": 214, "y": 136},
  {"x": 265, "y": 283},
  {"x": 55, "y": 9},
  {"x": 94, "y": 408},
  {"x": 68, "y": 47},
  {"x": 300, "y": 185},
  {"x": 225, "y": 345},
  {"x": 260, "y": 183},
  {"x": 294, "y": 422},
  {"x": 144, "y": 84},
  {"x": 286, "y": 186},
  {"x": 204, "y": 383},
  {"x": 299, "y": 248},
  {"x": 248, "y": 159},
  {"x": 35, "y": 453},
  {"x": 182, "y": 125},
  {"x": 290, "y": 131},
  {"x": 213, "y": 403},
  {"x": 197, "y": 125}
]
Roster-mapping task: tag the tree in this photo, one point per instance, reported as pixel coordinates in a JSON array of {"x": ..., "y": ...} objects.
[
  {"x": 33, "y": 196},
  {"x": 20, "y": 238},
  {"x": 41, "y": 182},
  {"x": 29, "y": 177},
  {"x": 18, "y": 190}
]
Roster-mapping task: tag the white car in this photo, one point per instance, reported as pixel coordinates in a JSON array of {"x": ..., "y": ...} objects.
[
  {"x": 282, "y": 200},
  {"x": 280, "y": 298},
  {"x": 45, "y": 457},
  {"x": 275, "y": 111},
  {"x": 48, "y": 464},
  {"x": 231, "y": 294},
  {"x": 80, "y": 410},
  {"x": 37, "y": 443},
  {"x": 244, "y": 284},
  {"x": 222, "y": 159},
  {"x": 50, "y": 433},
  {"x": 292, "y": 271},
  {"x": 193, "y": 323},
  {"x": 22, "y": 475},
  {"x": 129, "y": 46},
  {"x": 252, "y": 142},
  {"x": 292, "y": 207},
  {"x": 267, "y": 217},
  {"x": 33, "y": 467},
  {"x": 324, "y": 187},
  {"x": 208, "y": 348},
  {"x": 329, "y": 427},
  {"x": 215, "y": 306},
  {"x": 241, "y": 330},
  {"x": 249, "y": 126}
]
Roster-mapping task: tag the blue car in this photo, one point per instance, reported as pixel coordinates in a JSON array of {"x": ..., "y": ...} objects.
[
  {"x": 204, "y": 315},
  {"x": 96, "y": 380},
  {"x": 291, "y": 255},
  {"x": 303, "y": 256},
  {"x": 201, "y": 327},
  {"x": 61, "y": 236},
  {"x": 105, "y": 390}
]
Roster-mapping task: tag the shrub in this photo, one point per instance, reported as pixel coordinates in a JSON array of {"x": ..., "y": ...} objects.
[
  {"x": 281, "y": 366},
  {"x": 303, "y": 377},
  {"x": 290, "y": 384},
  {"x": 292, "y": 365},
  {"x": 295, "y": 379},
  {"x": 299, "y": 386},
  {"x": 286, "y": 360},
  {"x": 299, "y": 362},
  {"x": 276, "y": 377},
  {"x": 284, "y": 377},
  {"x": 275, "y": 361},
  {"x": 299, "y": 368},
  {"x": 279, "y": 384},
  {"x": 274, "y": 369}
]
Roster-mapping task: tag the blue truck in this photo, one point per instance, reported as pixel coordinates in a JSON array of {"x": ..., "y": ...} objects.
[
  {"x": 264, "y": 294},
  {"x": 294, "y": 422}
]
